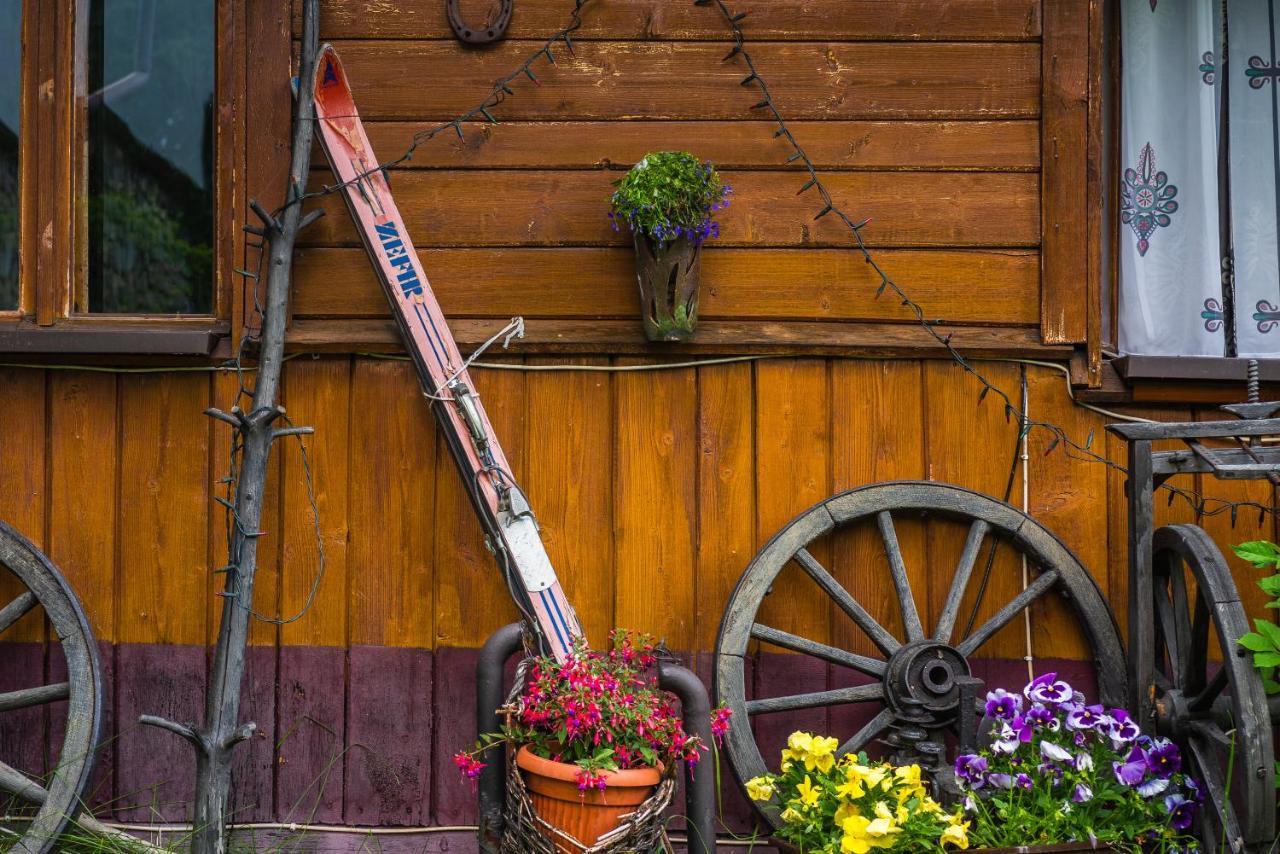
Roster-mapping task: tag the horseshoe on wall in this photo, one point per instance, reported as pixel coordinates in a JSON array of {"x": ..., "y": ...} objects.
[{"x": 479, "y": 35}]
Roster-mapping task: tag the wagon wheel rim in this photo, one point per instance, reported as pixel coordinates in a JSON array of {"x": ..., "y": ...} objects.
[
  {"x": 1053, "y": 568},
  {"x": 1193, "y": 705},
  {"x": 59, "y": 797}
]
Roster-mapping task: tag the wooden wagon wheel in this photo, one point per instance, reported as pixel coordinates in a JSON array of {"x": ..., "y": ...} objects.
[
  {"x": 56, "y": 799},
  {"x": 1216, "y": 712},
  {"x": 915, "y": 677}
]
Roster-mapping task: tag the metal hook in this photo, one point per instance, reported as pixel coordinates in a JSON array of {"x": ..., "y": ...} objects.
[{"x": 484, "y": 35}]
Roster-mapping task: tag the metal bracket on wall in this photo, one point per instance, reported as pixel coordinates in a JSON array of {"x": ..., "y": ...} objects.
[{"x": 491, "y": 32}]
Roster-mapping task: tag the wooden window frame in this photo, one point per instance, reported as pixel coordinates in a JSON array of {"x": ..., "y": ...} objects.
[{"x": 53, "y": 204}]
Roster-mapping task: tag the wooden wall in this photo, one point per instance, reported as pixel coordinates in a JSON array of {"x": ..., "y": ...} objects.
[{"x": 653, "y": 489}]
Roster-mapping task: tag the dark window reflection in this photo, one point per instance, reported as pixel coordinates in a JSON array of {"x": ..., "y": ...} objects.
[
  {"x": 151, "y": 74},
  {"x": 10, "y": 82}
]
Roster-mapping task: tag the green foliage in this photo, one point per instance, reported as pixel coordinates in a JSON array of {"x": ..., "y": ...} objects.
[
  {"x": 670, "y": 194},
  {"x": 1264, "y": 641}
]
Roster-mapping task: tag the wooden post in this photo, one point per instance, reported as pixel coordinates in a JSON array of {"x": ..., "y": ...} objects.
[{"x": 221, "y": 732}]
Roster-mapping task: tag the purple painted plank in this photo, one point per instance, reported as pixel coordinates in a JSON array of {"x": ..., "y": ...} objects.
[
  {"x": 254, "y": 764},
  {"x": 101, "y": 792},
  {"x": 1011, "y": 673},
  {"x": 736, "y": 813},
  {"x": 783, "y": 675},
  {"x": 389, "y": 724},
  {"x": 455, "y": 729},
  {"x": 155, "y": 771},
  {"x": 22, "y": 732},
  {"x": 310, "y": 734}
]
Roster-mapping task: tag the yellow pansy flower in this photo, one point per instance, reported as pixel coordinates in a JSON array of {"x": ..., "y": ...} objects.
[
  {"x": 845, "y": 811},
  {"x": 908, "y": 774},
  {"x": 798, "y": 746},
  {"x": 956, "y": 834},
  {"x": 809, "y": 793},
  {"x": 760, "y": 788},
  {"x": 822, "y": 754},
  {"x": 791, "y": 816},
  {"x": 855, "y": 839},
  {"x": 851, "y": 788}
]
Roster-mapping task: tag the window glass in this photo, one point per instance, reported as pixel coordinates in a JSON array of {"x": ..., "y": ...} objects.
[
  {"x": 150, "y": 151},
  {"x": 10, "y": 83}
]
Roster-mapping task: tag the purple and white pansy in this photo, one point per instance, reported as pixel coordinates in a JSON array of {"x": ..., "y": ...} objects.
[{"x": 1093, "y": 768}]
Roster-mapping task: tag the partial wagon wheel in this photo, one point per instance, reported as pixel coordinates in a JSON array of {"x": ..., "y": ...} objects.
[
  {"x": 56, "y": 798},
  {"x": 913, "y": 677},
  {"x": 1216, "y": 712}
]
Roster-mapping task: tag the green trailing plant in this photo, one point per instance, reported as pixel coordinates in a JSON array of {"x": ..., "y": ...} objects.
[
  {"x": 1264, "y": 641},
  {"x": 670, "y": 194}
]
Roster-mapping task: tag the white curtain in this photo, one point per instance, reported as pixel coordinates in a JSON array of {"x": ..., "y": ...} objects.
[{"x": 1171, "y": 299}]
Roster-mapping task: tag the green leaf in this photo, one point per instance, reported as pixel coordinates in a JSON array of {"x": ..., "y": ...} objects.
[
  {"x": 1269, "y": 630},
  {"x": 1260, "y": 553},
  {"x": 1263, "y": 660},
  {"x": 1270, "y": 585},
  {"x": 1271, "y": 686},
  {"x": 1255, "y": 642}
]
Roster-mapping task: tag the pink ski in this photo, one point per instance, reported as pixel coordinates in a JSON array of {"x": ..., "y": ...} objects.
[{"x": 511, "y": 530}]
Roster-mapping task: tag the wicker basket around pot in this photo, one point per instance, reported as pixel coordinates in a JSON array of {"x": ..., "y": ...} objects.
[
  {"x": 668, "y": 279},
  {"x": 585, "y": 816}
]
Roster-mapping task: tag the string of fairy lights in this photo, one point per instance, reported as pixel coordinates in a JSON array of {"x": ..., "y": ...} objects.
[{"x": 826, "y": 206}]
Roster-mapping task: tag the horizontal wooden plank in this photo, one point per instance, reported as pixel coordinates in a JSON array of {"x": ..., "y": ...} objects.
[
  {"x": 543, "y": 208},
  {"x": 422, "y": 81},
  {"x": 814, "y": 284},
  {"x": 998, "y": 146},
  {"x": 714, "y": 337},
  {"x": 944, "y": 20}
]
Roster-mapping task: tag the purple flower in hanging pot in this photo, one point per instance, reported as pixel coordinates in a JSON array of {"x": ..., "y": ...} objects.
[{"x": 1181, "y": 811}]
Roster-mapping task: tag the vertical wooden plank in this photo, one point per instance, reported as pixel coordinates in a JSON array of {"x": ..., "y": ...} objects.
[
  {"x": 973, "y": 445},
  {"x": 83, "y": 476},
  {"x": 392, "y": 507},
  {"x": 654, "y": 512},
  {"x": 1064, "y": 216},
  {"x": 471, "y": 596},
  {"x": 568, "y": 463},
  {"x": 22, "y": 477},
  {"x": 793, "y": 472},
  {"x": 1065, "y": 493},
  {"x": 163, "y": 509},
  {"x": 311, "y": 704},
  {"x": 726, "y": 489},
  {"x": 162, "y": 584}
]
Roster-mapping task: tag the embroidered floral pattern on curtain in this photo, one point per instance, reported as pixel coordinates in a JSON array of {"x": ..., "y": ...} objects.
[{"x": 1177, "y": 256}]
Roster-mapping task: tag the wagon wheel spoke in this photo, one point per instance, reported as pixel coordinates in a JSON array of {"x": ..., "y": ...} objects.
[
  {"x": 1162, "y": 681},
  {"x": 1213, "y": 786},
  {"x": 1173, "y": 636},
  {"x": 38, "y": 696},
  {"x": 16, "y": 783},
  {"x": 1203, "y": 701},
  {"x": 795, "y": 643},
  {"x": 1210, "y": 731},
  {"x": 1015, "y": 606},
  {"x": 1196, "y": 663},
  {"x": 881, "y": 638},
  {"x": 960, "y": 582},
  {"x": 898, "y": 569},
  {"x": 840, "y": 696},
  {"x": 16, "y": 610},
  {"x": 869, "y": 731}
]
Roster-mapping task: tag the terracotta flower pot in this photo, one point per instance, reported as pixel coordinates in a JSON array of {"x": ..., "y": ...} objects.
[
  {"x": 668, "y": 279},
  {"x": 583, "y": 815}
]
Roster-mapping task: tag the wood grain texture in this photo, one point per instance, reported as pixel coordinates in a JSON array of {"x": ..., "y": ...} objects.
[
  {"x": 687, "y": 80},
  {"x": 22, "y": 480},
  {"x": 471, "y": 595},
  {"x": 1065, "y": 191},
  {"x": 649, "y": 20},
  {"x": 317, "y": 393},
  {"x": 83, "y": 477},
  {"x": 726, "y": 489},
  {"x": 311, "y": 750},
  {"x": 568, "y": 460},
  {"x": 816, "y": 284},
  {"x": 996, "y": 146},
  {"x": 164, "y": 509},
  {"x": 554, "y": 208},
  {"x": 655, "y": 515},
  {"x": 793, "y": 472},
  {"x": 391, "y": 508}
]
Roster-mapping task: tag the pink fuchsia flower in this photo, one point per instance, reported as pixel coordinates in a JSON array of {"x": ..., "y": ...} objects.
[
  {"x": 720, "y": 722},
  {"x": 468, "y": 765}
]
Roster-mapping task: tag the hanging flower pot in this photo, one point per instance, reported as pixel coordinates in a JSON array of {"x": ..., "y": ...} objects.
[
  {"x": 584, "y": 813},
  {"x": 668, "y": 200}
]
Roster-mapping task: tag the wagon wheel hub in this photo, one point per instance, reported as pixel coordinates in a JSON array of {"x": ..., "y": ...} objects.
[{"x": 921, "y": 683}]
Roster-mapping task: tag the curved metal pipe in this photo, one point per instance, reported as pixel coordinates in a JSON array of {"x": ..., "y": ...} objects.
[
  {"x": 491, "y": 692},
  {"x": 699, "y": 786}
]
